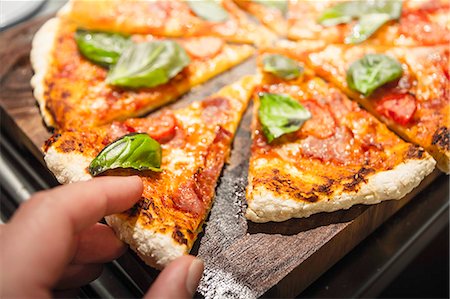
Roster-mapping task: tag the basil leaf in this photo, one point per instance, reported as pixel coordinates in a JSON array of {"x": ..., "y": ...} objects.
[
  {"x": 136, "y": 151},
  {"x": 280, "y": 114},
  {"x": 101, "y": 47},
  {"x": 281, "y": 66},
  {"x": 367, "y": 25},
  {"x": 371, "y": 14},
  {"x": 341, "y": 13},
  {"x": 209, "y": 10},
  {"x": 148, "y": 64},
  {"x": 281, "y": 5},
  {"x": 372, "y": 71}
]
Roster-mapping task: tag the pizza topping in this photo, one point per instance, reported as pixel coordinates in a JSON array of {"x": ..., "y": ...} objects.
[
  {"x": 321, "y": 124},
  {"x": 281, "y": 5},
  {"x": 372, "y": 71},
  {"x": 161, "y": 128},
  {"x": 209, "y": 10},
  {"x": 371, "y": 14},
  {"x": 148, "y": 64},
  {"x": 398, "y": 107},
  {"x": 280, "y": 114},
  {"x": 136, "y": 151},
  {"x": 282, "y": 66},
  {"x": 101, "y": 47},
  {"x": 203, "y": 47}
]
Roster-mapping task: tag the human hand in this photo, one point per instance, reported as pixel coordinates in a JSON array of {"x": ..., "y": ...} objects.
[{"x": 53, "y": 242}]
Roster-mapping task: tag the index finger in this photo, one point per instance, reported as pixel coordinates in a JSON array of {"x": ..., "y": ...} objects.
[
  {"x": 41, "y": 233},
  {"x": 85, "y": 203}
]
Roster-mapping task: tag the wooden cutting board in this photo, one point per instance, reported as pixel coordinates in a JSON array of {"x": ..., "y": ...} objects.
[{"x": 243, "y": 259}]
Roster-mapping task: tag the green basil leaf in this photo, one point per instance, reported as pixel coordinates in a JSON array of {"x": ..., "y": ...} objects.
[
  {"x": 148, "y": 64},
  {"x": 101, "y": 47},
  {"x": 371, "y": 14},
  {"x": 341, "y": 13},
  {"x": 372, "y": 71},
  {"x": 209, "y": 10},
  {"x": 137, "y": 151},
  {"x": 281, "y": 66},
  {"x": 281, "y": 5},
  {"x": 280, "y": 114},
  {"x": 367, "y": 25}
]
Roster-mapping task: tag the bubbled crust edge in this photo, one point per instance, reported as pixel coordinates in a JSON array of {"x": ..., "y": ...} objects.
[
  {"x": 264, "y": 205},
  {"x": 154, "y": 248},
  {"x": 41, "y": 58}
]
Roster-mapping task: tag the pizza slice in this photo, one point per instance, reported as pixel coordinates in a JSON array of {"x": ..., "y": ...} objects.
[
  {"x": 407, "y": 88},
  {"x": 168, "y": 18},
  {"x": 381, "y": 22},
  {"x": 313, "y": 150},
  {"x": 84, "y": 78},
  {"x": 194, "y": 143}
]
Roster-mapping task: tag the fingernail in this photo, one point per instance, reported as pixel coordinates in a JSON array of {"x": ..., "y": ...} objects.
[{"x": 194, "y": 274}]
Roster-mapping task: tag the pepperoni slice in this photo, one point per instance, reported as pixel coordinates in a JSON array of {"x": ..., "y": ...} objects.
[
  {"x": 203, "y": 47},
  {"x": 162, "y": 128},
  {"x": 398, "y": 107},
  {"x": 321, "y": 124}
]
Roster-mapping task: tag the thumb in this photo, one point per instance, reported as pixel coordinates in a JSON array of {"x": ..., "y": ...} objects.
[{"x": 178, "y": 280}]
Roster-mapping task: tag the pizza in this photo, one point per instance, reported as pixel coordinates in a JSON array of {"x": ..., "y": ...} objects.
[
  {"x": 195, "y": 143},
  {"x": 169, "y": 18},
  {"x": 415, "y": 105},
  {"x": 314, "y": 150},
  {"x": 101, "y": 66},
  {"x": 382, "y": 22},
  {"x": 73, "y": 91}
]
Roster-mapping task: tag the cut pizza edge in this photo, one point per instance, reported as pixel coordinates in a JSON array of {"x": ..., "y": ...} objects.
[
  {"x": 161, "y": 244},
  {"x": 43, "y": 45}
]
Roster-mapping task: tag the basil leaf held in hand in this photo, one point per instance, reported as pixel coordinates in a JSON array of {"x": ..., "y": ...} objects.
[
  {"x": 371, "y": 14},
  {"x": 372, "y": 71},
  {"x": 148, "y": 64},
  {"x": 282, "y": 66},
  {"x": 136, "y": 151},
  {"x": 280, "y": 114},
  {"x": 209, "y": 10},
  {"x": 101, "y": 47}
]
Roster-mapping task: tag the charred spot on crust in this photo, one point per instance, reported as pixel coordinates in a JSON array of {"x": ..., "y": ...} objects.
[
  {"x": 356, "y": 179},
  {"x": 50, "y": 141},
  {"x": 178, "y": 236},
  {"x": 325, "y": 188},
  {"x": 414, "y": 151},
  {"x": 142, "y": 205},
  {"x": 282, "y": 184},
  {"x": 441, "y": 138}
]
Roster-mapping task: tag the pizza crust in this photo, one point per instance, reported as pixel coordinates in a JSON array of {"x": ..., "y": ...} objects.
[
  {"x": 154, "y": 248},
  {"x": 40, "y": 57},
  {"x": 264, "y": 205}
]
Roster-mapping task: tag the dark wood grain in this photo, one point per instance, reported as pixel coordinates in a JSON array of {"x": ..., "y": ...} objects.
[{"x": 243, "y": 260}]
